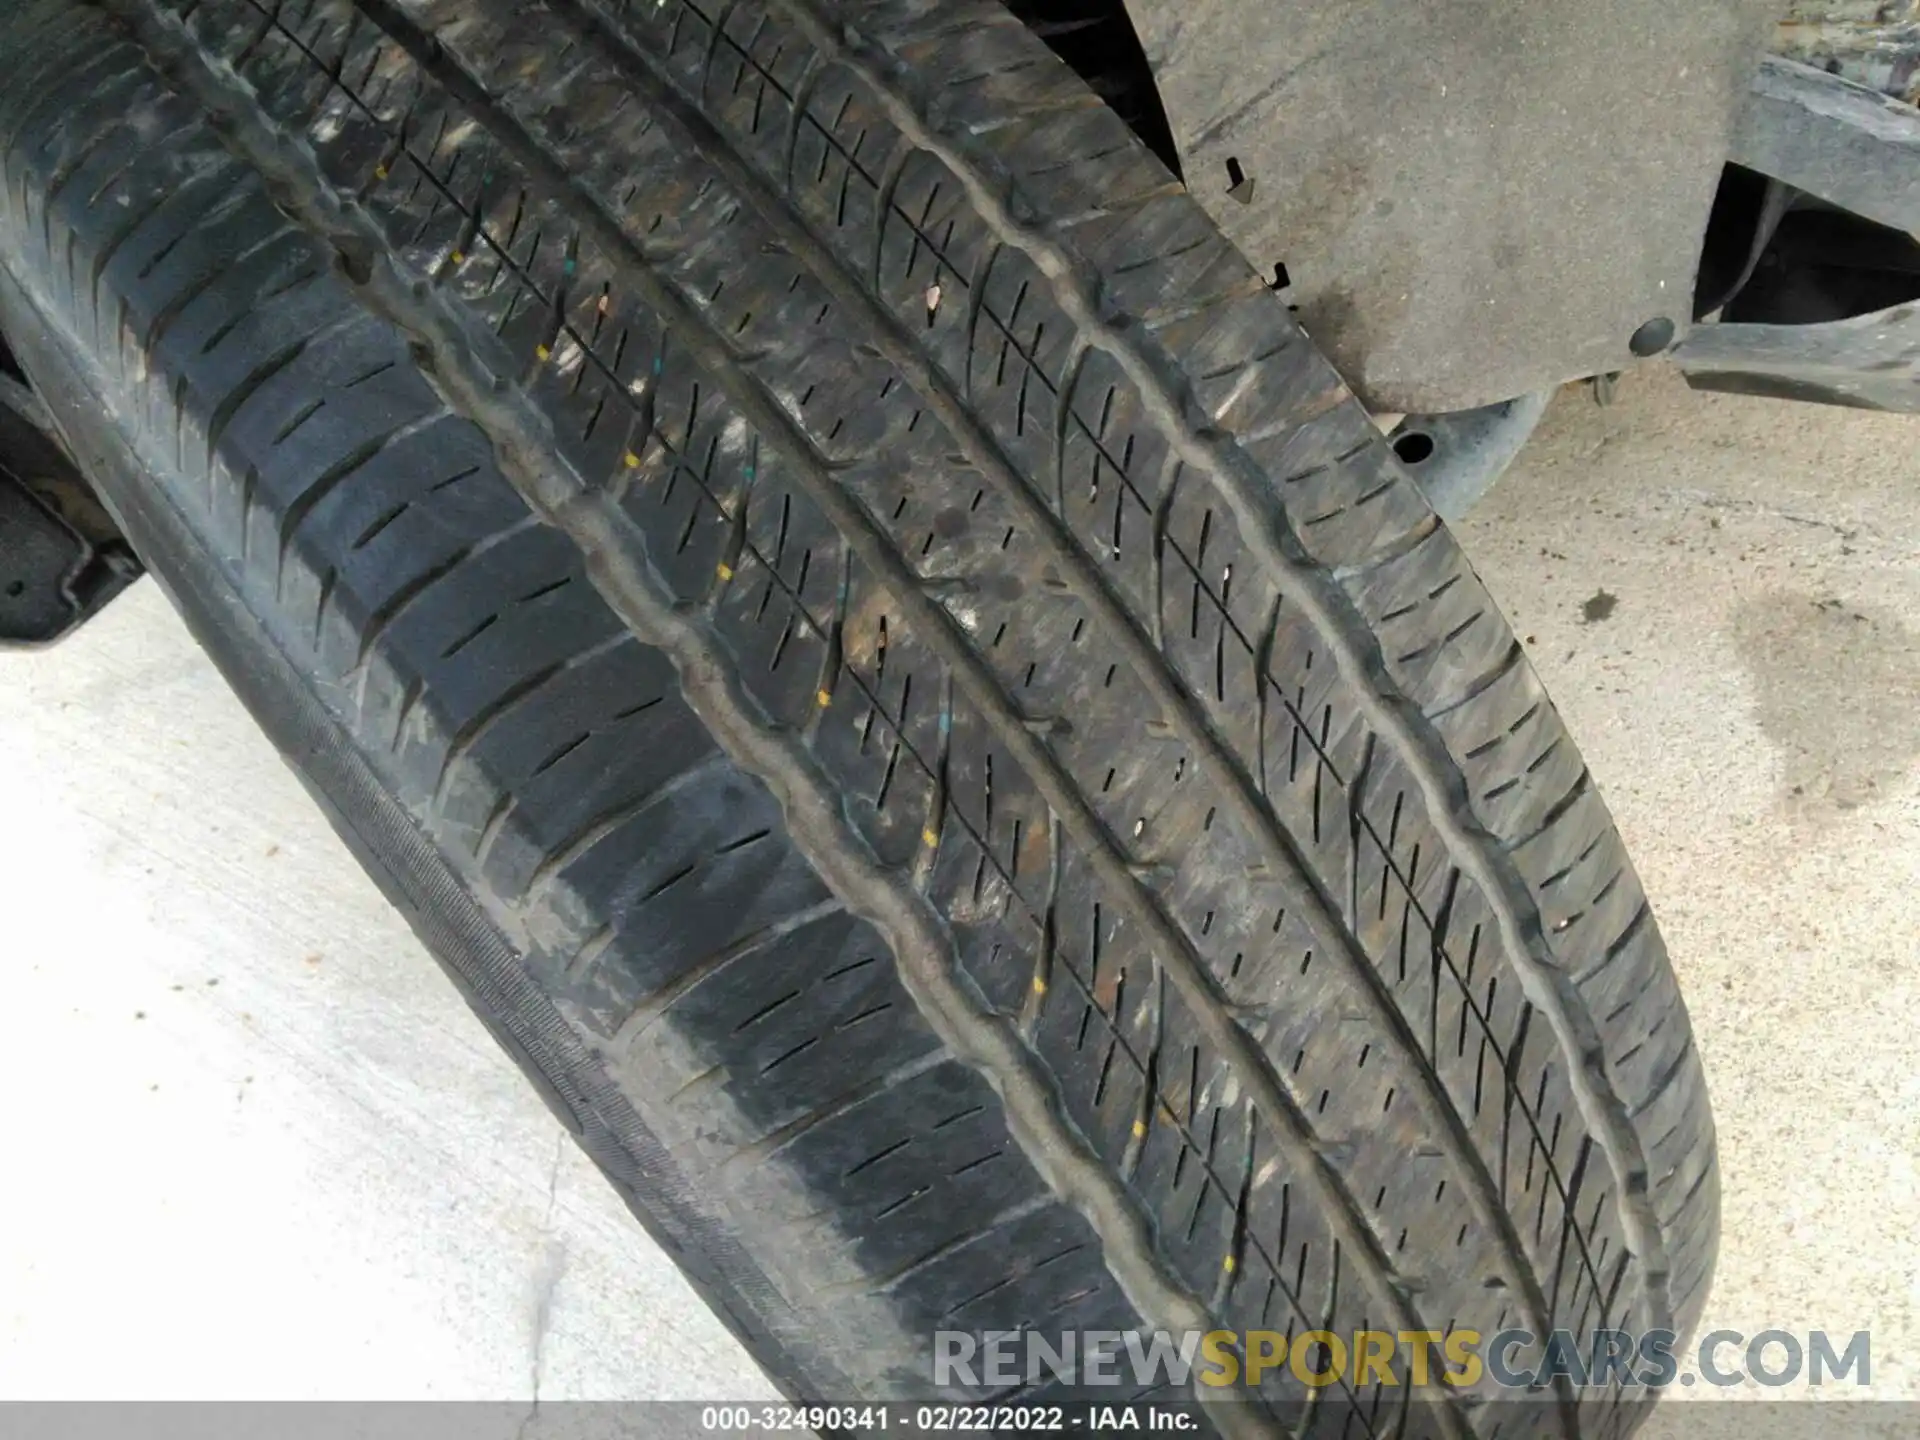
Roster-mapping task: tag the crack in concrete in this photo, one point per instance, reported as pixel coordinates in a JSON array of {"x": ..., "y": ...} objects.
[{"x": 547, "y": 1278}]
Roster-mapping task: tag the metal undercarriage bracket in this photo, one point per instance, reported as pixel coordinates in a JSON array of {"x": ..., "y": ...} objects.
[
  {"x": 1472, "y": 200},
  {"x": 1456, "y": 458}
]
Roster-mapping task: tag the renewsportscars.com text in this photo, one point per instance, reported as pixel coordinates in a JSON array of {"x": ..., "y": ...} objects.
[{"x": 1509, "y": 1359}]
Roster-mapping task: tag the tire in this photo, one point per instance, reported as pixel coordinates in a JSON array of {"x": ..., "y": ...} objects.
[{"x": 908, "y": 694}]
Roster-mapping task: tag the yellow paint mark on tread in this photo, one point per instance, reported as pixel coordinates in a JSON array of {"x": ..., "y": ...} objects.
[
  {"x": 630, "y": 460},
  {"x": 824, "y": 698},
  {"x": 928, "y": 838},
  {"x": 725, "y": 570},
  {"x": 1039, "y": 986},
  {"x": 542, "y": 351},
  {"x": 1227, "y": 1264},
  {"x": 1139, "y": 1129}
]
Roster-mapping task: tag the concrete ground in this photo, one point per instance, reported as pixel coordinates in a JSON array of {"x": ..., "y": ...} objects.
[{"x": 257, "y": 1146}]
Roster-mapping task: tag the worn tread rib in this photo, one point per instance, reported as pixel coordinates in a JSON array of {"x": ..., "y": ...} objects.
[
  {"x": 991, "y": 461},
  {"x": 1389, "y": 711},
  {"x": 615, "y": 557}
]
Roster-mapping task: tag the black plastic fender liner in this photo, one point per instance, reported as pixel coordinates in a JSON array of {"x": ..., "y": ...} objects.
[
  {"x": 1473, "y": 200},
  {"x": 1835, "y": 138}
]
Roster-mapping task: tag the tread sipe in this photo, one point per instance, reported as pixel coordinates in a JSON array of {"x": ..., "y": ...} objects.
[{"x": 911, "y": 696}]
